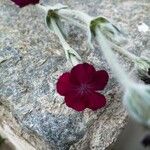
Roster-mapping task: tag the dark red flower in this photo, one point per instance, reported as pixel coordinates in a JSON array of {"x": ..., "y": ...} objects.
[
  {"x": 80, "y": 87},
  {"x": 22, "y": 3}
]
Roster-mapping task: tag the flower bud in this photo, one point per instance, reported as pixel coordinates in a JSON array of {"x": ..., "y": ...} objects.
[
  {"x": 143, "y": 68},
  {"x": 55, "y": 25},
  {"x": 137, "y": 102},
  {"x": 111, "y": 32},
  {"x": 52, "y": 13}
]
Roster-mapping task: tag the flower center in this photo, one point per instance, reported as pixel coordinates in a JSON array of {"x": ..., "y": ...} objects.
[{"x": 84, "y": 89}]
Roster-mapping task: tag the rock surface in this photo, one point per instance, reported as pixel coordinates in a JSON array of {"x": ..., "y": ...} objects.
[{"x": 31, "y": 60}]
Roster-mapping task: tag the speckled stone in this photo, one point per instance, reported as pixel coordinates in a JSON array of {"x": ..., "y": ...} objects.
[{"x": 32, "y": 59}]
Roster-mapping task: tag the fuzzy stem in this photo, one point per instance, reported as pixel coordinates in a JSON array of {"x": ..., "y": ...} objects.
[
  {"x": 74, "y": 22},
  {"x": 78, "y": 14},
  {"x": 60, "y": 36},
  {"x": 125, "y": 53},
  {"x": 43, "y": 8},
  {"x": 122, "y": 77},
  {"x": 68, "y": 50},
  {"x": 85, "y": 18}
]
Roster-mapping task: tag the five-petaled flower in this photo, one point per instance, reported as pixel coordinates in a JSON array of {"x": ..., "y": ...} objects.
[
  {"x": 22, "y": 3},
  {"x": 80, "y": 87}
]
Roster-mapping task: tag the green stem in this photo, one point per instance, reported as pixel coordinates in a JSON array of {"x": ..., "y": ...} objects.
[
  {"x": 57, "y": 31},
  {"x": 122, "y": 77},
  {"x": 43, "y": 8},
  {"x": 74, "y": 22},
  {"x": 85, "y": 18},
  {"x": 125, "y": 53},
  {"x": 68, "y": 50},
  {"x": 60, "y": 36}
]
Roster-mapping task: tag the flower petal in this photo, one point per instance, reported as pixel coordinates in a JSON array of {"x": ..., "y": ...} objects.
[
  {"x": 96, "y": 101},
  {"x": 100, "y": 80},
  {"x": 63, "y": 84},
  {"x": 75, "y": 102},
  {"x": 82, "y": 73},
  {"x": 22, "y": 3}
]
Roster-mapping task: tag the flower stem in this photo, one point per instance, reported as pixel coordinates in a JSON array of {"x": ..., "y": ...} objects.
[
  {"x": 123, "y": 52},
  {"x": 60, "y": 36},
  {"x": 43, "y": 8},
  {"x": 68, "y": 50},
  {"x": 85, "y": 18},
  {"x": 122, "y": 77},
  {"x": 73, "y": 21}
]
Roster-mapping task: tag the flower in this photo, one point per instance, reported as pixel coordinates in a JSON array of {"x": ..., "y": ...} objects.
[
  {"x": 137, "y": 102},
  {"x": 109, "y": 30},
  {"x": 80, "y": 87},
  {"x": 22, "y": 3}
]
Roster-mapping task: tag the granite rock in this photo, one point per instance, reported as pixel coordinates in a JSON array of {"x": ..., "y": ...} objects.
[{"x": 32, "y": 59}]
